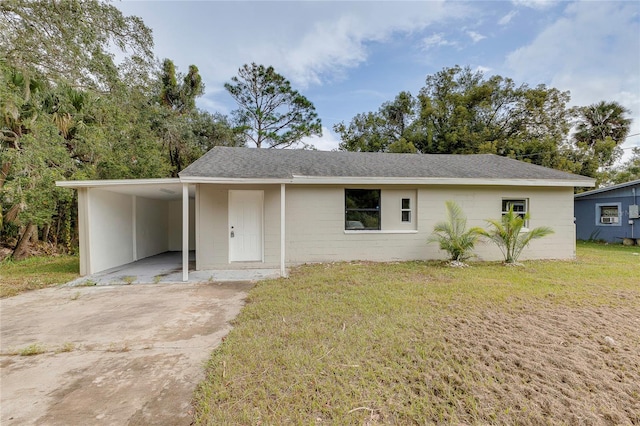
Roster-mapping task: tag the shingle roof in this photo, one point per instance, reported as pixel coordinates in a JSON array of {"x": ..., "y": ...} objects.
[{"x": 252, "y": 163}]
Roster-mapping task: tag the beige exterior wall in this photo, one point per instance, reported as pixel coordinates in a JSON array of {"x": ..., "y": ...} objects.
[
  {"x": 391, "y": 206},
  {"x": 152, "y": 227},
  {"x": 110, "y": 229},
  {"x": 212, "y": 238},
  {"x": 548, "y": 206},
  {"x": 315, "y": 227},
  {"x": 83, "y": 231},
  {"x": 174, "y": 220},
  {"x": 315, "y": 223}
]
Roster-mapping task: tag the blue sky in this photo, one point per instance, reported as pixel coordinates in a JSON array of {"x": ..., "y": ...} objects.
[{"x": 350, "y": 57}]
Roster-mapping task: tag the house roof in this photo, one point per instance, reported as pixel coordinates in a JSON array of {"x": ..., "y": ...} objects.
[
  {"x": 608, "y": 188},
  {"x": 300, "y": 166}
]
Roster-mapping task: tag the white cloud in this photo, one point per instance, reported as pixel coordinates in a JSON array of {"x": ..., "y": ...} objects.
[
  {"x": 535, "y": 4},
  {"x": 436, "y": 40},
  {"x": 593, "y": 50},
  {"x": 331, "y": 46},
  {"x": 482, "y": 69},
  {"x": 476, "y": 37},
  {"x": 329, "y": 141},
  {"x": 308, "y": 42},
  {"x": 507, "y": 18}
]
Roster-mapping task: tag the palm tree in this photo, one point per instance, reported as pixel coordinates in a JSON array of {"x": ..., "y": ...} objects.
[
  {"x": 508, "y": 235},
  {"x": 601, "y": 128},
  {"x": 602, "y": 120},
  {"x": 453, "y": 236}
]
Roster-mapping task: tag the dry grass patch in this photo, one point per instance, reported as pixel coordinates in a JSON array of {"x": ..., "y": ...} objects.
[
  {"x": 421, "y": 343},
  {"x": 35, "y": 273}
]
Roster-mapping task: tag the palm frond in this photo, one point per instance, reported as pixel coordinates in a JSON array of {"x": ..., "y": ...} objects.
[{"x": 453, "y": 236}]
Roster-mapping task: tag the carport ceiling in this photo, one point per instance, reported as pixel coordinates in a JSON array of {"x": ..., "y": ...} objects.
[
  {"x": 158, "y": 189},
  {"x": 165, "y": 191}
]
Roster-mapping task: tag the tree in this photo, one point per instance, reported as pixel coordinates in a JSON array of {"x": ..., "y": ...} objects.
[
  {"x": 71, "y": 40},
  {"x": 364, "y": 134},
  {"x": 177, "y": 108},
  {"x": 460, "y": 111},
  {"x": 211, "y": 130},
  {"x": 180, "y": 97},
  {"x": 628, "y": 171},
  {"x": 68, "y": 111},
  {"x": 271, "y": 114},
  {"x": 600, "y": 130},
  {"x": 386, "y": 130},
  {"x": 508, "y": 235},
  {"x": 32, "y": 154},
  {"x": 453, "y": 235}
]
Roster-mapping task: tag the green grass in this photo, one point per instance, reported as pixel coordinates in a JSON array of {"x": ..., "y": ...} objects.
[
  {"x": 422, "y": 343},
  {"x": 35, "y": 273}
]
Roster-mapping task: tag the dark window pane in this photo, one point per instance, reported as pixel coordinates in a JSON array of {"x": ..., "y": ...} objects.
[
  {"x": 362, "y": 209},
  {"x": 362, "y": 198},
  {"x": 362, "y": 220},
  {"x": 406, "y": 216},
  {"x": 406, "y": 203}
]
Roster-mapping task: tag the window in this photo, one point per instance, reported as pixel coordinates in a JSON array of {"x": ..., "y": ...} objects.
[
  {"x": 406, "y": 210},
  {"x": 609, "y": 214},
  {"x": 362, "y": 209},
  {"x": 520, "y": 207}
]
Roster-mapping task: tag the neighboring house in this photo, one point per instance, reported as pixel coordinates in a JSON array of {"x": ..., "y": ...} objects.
[
  {"x": 609, "y": 214},
  {"x": 259, "y": 208}
]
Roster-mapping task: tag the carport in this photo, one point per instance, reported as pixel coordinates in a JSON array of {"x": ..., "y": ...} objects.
[{"x": 123, "y": 221}]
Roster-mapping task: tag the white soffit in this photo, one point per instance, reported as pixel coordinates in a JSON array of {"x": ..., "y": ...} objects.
[{"x": 160, "y": 189}]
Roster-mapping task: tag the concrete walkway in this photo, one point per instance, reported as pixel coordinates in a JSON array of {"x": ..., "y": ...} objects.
[
  {"x": 167, "y": 268},
  {"x": 111, "y": 355}
]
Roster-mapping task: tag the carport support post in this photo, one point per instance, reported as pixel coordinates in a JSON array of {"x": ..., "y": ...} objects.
[
  {"x": 185, "y": 232},
  {"x": 283, "y": 271}
]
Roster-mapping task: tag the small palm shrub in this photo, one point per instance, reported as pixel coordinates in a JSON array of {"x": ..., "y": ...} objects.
[
  {"x": 508, "y": 235},
  {"x": 453, "y": 235}
]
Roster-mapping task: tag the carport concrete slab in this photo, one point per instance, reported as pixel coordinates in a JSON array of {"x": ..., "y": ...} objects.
[
  {"x": 167, "y": 268},
  {"x": 112, "y": 354}
]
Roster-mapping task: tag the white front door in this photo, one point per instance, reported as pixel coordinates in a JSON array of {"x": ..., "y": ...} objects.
[{"x": 245, "y": 226}]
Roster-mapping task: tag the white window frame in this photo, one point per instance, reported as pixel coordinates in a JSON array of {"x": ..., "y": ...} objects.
[
  {"x": 598, "y": 214},
  {"x": 524, "y": 201},
  {"x": 408, "y": 210}
]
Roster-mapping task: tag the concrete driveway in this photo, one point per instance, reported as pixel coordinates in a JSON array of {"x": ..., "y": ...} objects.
[{"x": 130, "y": 354}]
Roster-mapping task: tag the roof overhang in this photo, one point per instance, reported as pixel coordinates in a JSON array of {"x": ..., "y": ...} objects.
[
  {"x": 171, "y": 188},
  {"x": 162, "y": 189},
  {"x": 341, "y": 180}
]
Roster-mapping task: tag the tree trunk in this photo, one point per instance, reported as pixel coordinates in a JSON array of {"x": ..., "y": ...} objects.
[
  {"x": 56, "y": 235},
  {"x": 4, "y": 172},
  {"x": 20, "y": 252},
  {"x": 45, "y": 232},
  {"x": 34, "y": 235}
]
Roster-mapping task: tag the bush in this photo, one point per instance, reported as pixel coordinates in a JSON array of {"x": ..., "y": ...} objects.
[
  {"x": 508, "y": 235},
  {"x": 453, "y": 236}
]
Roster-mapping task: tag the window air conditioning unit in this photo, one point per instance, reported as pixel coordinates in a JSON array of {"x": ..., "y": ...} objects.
[{"x": 609, "y": 219}]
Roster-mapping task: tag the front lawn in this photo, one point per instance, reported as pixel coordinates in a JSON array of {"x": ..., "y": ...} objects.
[
  {"x": 553, "y": 342},
  {"x": 35, "y": 273}
]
